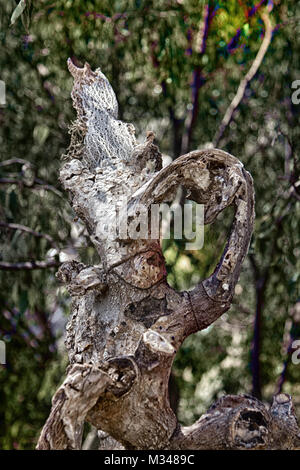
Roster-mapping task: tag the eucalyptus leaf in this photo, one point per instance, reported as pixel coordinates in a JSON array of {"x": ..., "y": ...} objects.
[
  {"x": 41, "y": 133},
  {"x": 17, "y": 12}
]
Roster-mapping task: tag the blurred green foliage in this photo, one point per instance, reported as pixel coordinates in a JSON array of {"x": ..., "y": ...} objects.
[{"x": 151, "y": 53}]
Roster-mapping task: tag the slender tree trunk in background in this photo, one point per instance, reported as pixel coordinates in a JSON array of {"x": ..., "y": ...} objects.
[
  {"x": 255, "y": 363},
  {"x": 177, "y": 126},
  {"x": 260, "y": 281},
  {"x": 198, "y": 79},
  {"x": 126, "y": 322},
  {"x": 256, "y": 345}
]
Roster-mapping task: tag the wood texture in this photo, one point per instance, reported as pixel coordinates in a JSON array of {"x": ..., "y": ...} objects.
[{"x": 126, "y": 322}]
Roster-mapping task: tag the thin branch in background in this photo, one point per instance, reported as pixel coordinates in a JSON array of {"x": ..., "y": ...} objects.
[
  {"x": 198, "y": 81},
  {"x": 291, "y": 21},
  {"x": 253, "y": 10},
  {"x": 33, "y": 183},
  {"x": 29, "y": 265},
  {"x": 9, "y": 181},
  {"x": 246, "y": 80},
  {"x": 37, "y": 184},
  {"x": 47, "y": 187},
  {"x": 25, "y": 229},
  {"x": 13, "y": 161},
  {"x": 182, "y": 141}
]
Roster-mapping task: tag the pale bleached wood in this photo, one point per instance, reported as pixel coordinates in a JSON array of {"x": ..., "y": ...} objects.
[{"x": 126, "y": 322}]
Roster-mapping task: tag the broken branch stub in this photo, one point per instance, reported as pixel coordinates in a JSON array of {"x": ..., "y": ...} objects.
[{"x": 126, "y": 322}]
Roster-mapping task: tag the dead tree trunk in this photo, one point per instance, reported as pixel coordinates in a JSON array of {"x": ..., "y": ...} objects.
[{"x": 127, "y": 323}]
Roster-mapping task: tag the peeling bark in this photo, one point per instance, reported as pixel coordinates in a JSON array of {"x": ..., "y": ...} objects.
[{"x": 127, "y": 323}]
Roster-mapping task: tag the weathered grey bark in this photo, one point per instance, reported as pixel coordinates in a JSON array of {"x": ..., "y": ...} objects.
[{"x": 127, "y": 323}]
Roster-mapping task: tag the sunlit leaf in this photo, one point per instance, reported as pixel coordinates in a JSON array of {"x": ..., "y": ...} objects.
[{"x": 18, "y": 11}]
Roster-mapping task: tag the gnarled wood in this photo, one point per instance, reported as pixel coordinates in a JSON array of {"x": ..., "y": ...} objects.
[{"x": 127, "y": 323}]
